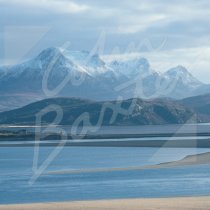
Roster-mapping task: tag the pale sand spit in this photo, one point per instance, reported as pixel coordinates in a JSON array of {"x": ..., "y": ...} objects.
[{"x": 190, "y": 160}]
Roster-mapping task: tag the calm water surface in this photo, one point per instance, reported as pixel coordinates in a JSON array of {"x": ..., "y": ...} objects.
[{"x": 16, "y": 171}]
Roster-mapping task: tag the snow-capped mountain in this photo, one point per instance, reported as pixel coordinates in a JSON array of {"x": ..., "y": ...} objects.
[
  {"x": 131, "y": 68},
  {"x": 181, "y": 74},
  {"x": 182, "y": 82},
  {"x": 81, "y": 74}
]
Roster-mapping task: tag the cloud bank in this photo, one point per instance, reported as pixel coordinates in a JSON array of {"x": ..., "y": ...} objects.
[{"x": 182, "y": 23}]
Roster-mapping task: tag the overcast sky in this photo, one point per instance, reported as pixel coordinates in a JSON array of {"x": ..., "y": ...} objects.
[{"x": 168, "y": 33}]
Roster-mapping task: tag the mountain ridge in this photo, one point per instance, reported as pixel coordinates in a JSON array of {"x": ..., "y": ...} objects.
[
  {"x": 144, "y": 112},
  {"x": 90, "y": 76}
]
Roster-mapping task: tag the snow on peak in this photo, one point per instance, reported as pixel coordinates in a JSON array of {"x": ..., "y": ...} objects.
[
  {"x": 131, "y": 67},
  {"x": 84, "y": 58},
  {"x": 49, "y": 52},
  {"x": 51, "y": 56},
  {"x": 178, "y": 70},
  {"x": 181, "y": 73},
  {"x": 93, "y": 64}
]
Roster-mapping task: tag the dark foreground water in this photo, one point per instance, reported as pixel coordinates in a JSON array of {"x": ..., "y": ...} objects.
[{"x": 16, "y": 171}]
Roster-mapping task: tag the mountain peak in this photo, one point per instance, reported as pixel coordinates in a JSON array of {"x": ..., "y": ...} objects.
[
  {"x": 52, "y": 55},
  {"x": 80, "y": 59},
  {"x": 98, "y": 78},
  {"x": 131, "y": 67},
  {"x": 177, "y": 71},
  {"x": 84, "y": 58},
  {"x": 180, "y": 73},
  {"x": 49, "y": 52}
]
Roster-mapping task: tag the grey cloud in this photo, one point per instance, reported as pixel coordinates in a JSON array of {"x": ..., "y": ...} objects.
[{"x": 183, "y": 22}]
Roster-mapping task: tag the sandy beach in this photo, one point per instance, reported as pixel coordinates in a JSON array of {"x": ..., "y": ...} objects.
[
  {"x": 198, "y": 159},
  {"x": 188, "y": 203}
]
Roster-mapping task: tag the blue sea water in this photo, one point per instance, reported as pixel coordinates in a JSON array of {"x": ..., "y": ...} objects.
[{"x": 16, "y": 171}]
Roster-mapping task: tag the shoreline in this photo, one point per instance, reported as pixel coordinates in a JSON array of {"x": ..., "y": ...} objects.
[
  {"x": 190, "y": 160},
  {"x": 181, "y": 143},
  {"x": 176, "y": 203},
  {"x": 12, "y": 132}
]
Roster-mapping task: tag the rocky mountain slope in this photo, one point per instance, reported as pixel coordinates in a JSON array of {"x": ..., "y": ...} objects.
[
  {"x": 135, "y": 112},
  {"x": 60, "y": 73}
]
